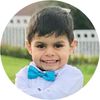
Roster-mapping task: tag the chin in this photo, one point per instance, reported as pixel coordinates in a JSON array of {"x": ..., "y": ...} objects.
[{"x": 52, "y": 68}]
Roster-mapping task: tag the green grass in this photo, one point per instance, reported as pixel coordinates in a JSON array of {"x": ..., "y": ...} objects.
[
  {"x": 13, "y": 65},
  {"x": 87, "y": 70}
]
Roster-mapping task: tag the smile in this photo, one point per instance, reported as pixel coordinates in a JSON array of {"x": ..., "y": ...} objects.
[{"x": 50, "y": 62}]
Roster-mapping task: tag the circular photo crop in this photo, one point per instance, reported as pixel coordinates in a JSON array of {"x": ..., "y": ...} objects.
[{"x": 50, "y": 49}]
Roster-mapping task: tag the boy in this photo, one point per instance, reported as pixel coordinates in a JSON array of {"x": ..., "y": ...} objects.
[{"x": 50, "y": 42}]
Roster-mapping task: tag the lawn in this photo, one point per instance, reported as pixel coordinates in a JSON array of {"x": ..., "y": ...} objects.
[{"x": 12, "y": 65}]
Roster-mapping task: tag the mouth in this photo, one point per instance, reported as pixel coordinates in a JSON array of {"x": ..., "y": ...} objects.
[{"x": 50, "y": 62}]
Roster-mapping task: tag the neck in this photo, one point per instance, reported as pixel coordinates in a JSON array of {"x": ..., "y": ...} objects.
[{"x": 41, "y": 69}]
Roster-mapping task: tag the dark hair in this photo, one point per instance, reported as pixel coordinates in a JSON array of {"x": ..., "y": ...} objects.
[{"x": 51, "y": 20}]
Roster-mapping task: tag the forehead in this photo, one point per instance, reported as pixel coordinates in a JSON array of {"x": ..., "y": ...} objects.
[{"x": 51, "y": 38}]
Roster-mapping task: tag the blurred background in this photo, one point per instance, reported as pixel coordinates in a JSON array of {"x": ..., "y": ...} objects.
[{"x": 14, "y": 56}]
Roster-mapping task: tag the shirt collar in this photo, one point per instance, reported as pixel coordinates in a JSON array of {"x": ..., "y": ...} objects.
[{"x": 56, "y": 71}]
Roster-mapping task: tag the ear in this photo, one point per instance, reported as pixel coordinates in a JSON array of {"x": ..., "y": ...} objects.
[
  {"x": 73, "y": 45},
  {"x": 28, "y": 47}
]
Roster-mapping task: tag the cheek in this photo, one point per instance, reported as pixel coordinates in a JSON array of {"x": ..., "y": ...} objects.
[
  {"x": 36, "y": 55},
  {"x": 65, "y": 55}
]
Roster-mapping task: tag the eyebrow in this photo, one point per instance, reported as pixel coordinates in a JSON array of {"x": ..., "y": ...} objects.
[
  {"x": 60, "y": 42},
  {"x": 38, "y": 42}
]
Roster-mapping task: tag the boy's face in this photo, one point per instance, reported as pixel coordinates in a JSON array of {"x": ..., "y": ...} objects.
[{"x": 50, "y": 53}]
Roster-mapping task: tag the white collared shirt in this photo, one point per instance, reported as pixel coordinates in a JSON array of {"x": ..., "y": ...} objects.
[{"x": 69, "y": 80}]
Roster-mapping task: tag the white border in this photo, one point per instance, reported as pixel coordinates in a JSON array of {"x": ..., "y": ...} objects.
[{"x": 8, "y": 8}]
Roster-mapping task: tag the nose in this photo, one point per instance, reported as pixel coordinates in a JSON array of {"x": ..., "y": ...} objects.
[{"x": 49, "y": 52}]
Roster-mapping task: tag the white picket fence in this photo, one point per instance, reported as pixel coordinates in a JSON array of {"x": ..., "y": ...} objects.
[
  {"x": 88, "y": 42},
  {"x": 14, "y": 35}
]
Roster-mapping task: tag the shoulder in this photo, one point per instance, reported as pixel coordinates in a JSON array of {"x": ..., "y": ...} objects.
[
  {"x": 70, "y": 75},
  {"x": 73, "y": 69},
  {"x": 22, "y": 72},
  {"x": 69, "y": 79},
  {"x": 70, "y": 71}
]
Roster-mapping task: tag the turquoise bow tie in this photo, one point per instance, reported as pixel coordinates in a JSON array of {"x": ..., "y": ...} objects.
[{"x": 34, "y": 73}]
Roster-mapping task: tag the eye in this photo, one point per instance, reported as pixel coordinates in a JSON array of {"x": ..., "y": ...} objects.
[
  {"x": 58, "y": 45},
  {"x": 41, "y": 46}
]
